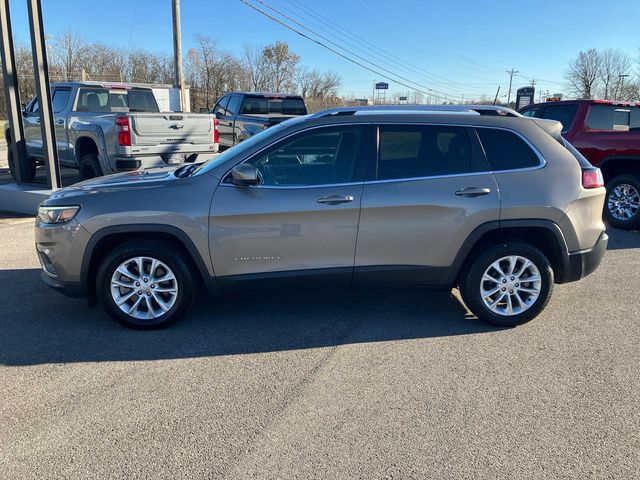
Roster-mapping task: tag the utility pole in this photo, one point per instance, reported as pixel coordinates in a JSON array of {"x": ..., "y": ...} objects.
[
  {"x": 177, "y": 53},
  {"x": 621, "y": 82},
  {"x": 12, "y": 95},
  {"x": 511, "y": 73},
  {"x": 41, "y": 73},
  {"x": 496, "y": 97},
  {"x": 533, "y": 82}
]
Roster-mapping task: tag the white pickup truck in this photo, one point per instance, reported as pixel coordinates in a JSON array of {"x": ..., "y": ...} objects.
[{"x": 106, "y": 128}]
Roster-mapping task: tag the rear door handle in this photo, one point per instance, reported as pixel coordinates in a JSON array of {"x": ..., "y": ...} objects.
[
  {"x": 473, "y": 191},
  {"x": 335, "y": 199}
]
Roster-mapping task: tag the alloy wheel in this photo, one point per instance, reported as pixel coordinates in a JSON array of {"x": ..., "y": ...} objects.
[
  {"x": 623, "y": 202},
  {"x": 510, "y": 285},
  {"x": 144, "y": 288}
]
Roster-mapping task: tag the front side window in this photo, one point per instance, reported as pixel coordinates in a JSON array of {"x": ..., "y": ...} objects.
[
  {"x": 321, "y": 156},
  {"x": 220, "y": 110},
  {"x": 505, "y": 150},
  {"x": 60, "y": 99},
  {"x": 234, "y": 105},
  {"x": 561, "y": 113},
  {"x": 413, "y": 151}
]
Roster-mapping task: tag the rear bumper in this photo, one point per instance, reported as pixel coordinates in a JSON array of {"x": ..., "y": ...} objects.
[
  {"x": 582, "y": 263},
  {"x": 74, "y": 290}
]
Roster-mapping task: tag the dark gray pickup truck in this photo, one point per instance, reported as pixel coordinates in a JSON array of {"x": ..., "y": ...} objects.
[{"x": 241, "y": 115}]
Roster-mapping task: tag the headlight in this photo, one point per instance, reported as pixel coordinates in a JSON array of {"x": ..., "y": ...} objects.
[{"x": 57, "y": 214}]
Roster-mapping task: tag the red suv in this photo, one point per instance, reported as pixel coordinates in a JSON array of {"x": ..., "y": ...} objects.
[{"x": 607, "y": 133}]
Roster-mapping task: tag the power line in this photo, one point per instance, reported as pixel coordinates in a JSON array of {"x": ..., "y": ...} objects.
[
  {"x": 360, "y": 57},
  {"x": 302, "y": 34},
  {"x": 467, "y": 88}
]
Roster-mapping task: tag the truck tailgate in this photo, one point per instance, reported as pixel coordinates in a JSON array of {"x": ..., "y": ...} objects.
[{"x": 157, "y": 133}]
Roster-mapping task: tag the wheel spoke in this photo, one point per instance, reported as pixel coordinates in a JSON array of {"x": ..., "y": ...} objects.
[
  {"x": 165, "y": 278},
  {"x": 161, "y": 302},
  {"x": 512, "y": 264},
  {"x": 489, "y": 278},
  {"x": 493, "y": 291},
  {"x": 124, "y": 298},
  {"x": 125, "y": 272},
  {"x": 493, "y": 305},
  {"x": 133, "y": 309},
  {"x": 120, "y": 283}
]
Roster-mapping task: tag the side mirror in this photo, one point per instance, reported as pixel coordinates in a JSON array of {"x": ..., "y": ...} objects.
[
  {"x": 218, "y": 114},
  {"x": 244, "y": 175}
]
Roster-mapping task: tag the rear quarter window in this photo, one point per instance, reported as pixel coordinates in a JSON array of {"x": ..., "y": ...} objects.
[
  {"x": 613, "y": 118},
  {"x": 505, "y": 150}
]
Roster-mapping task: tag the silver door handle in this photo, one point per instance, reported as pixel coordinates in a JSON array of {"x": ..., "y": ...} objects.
[
  {"x": 335, "y": 199},
  {"x": 472, "y": 192}
]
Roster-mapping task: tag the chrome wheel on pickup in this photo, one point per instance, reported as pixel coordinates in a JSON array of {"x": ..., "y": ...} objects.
[
  {"x": 145, "y": 284},
  {"x": 508, "y": 284},
  {"x": 622, "y": 208}
]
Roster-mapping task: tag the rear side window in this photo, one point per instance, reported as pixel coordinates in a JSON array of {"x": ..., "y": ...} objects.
[
  {"x": 613, "y": 118},
  {"x": 234, "y": 105},
  {"x": 561, "y": 113},
  {"x": 93, "y": 100},
  {"x": 505, "y": 150},
  {"x": 414, "y": 151}
]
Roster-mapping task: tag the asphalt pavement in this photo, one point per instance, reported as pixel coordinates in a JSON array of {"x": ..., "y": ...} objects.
[{"x": 324, "y": 384}]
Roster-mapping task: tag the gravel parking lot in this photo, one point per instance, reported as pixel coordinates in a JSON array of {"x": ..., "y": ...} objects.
[{"x": 322, "y": 384}]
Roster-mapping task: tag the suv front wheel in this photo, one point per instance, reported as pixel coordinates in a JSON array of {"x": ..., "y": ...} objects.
[
  {"x": 145, "y": 287},
  {"x": 622, "y": 208},
  {"x": 508, "y": 285}
]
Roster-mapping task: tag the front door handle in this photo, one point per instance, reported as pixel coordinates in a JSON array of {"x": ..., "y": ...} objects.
[
  {"x": 335, "y": 199},
  {"x": 473, "y": 192}
]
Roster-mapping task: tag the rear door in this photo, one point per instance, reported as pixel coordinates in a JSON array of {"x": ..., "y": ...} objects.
[
  {"x": 429, "y": 190},
  {"x": 302, "y": 220}
]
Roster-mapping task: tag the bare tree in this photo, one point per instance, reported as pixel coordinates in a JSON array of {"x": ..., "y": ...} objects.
[
  {"x": 68, "y": 53},
  {"x": 613, "y": 64},
  {"x": 583, "y": 74},
  {"x": 281, "y": 65},
  {"x": 255, "y": 64}
]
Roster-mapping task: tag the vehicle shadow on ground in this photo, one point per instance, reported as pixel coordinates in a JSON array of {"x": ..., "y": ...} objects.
[
  {"x": 42, "y": 326},
  {"x": 622, "y": 239}
]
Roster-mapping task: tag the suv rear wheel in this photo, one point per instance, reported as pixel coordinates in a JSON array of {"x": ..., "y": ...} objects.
[
  {"x": 508, "y": 285},
  {"x": 145, "y": 287},
  {"x": 622, "y": 209}
]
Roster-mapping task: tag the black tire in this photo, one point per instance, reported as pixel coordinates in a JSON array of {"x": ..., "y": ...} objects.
[
  {"x": 175, "y": 260},
  {"x": 29, "y": 175},
  {"x": 471, "y": 282},
  {"x": 610, "y": 210},
  {"x": 90, "y": 166}
]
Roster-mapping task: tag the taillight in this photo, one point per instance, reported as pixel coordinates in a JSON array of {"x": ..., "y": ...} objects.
[
  {"x": 215, "y": 130},
  {"x": 592, "y": 178},
  {"x": 124, "y": 131}
]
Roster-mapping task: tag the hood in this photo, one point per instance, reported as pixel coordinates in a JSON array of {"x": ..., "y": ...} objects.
[{"x": 151, "y": 178}]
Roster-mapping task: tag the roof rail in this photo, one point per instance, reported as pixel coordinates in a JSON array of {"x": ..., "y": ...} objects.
[{"x": 490, "y": 110}]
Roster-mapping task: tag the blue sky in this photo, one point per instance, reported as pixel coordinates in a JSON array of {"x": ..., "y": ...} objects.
[{"x": 453, "y": 47}]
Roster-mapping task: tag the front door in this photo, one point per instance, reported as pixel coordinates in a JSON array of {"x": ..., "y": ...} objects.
[
  {"x": 32, "y": 132},
  {"x": 225, "y": 123},
  {"x": 302, "y": 220},
  {"x": 429, "y": 190},
  {"x": 60, "y": 101}
]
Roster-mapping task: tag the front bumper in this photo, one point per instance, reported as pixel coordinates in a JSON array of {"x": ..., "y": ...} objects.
[
  {"x": 70, "y": 289},
  {"x": 582, "y": 263}
]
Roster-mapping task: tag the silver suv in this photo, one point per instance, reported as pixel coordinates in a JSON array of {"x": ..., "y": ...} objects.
[{"x": 478, "y": 198}]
